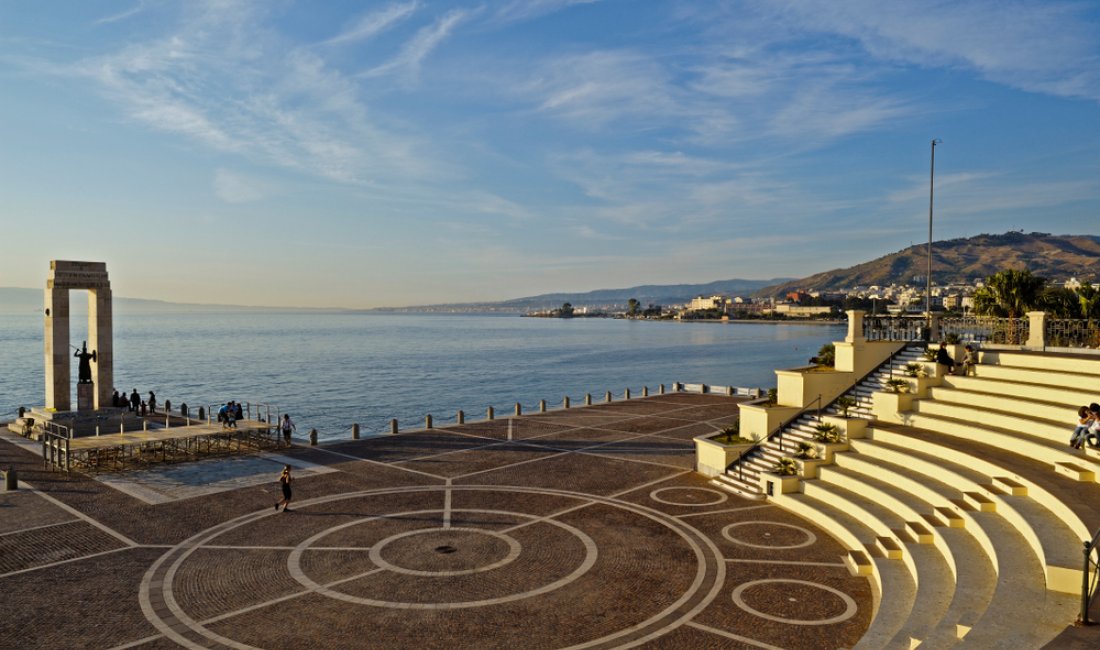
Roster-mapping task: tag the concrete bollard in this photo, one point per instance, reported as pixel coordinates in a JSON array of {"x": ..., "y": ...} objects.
[
  {"x": 11, "y": 480},
  {"x": 22, "y": 411},
  {"x": 202, "y": 412},
  {"x": 729, "y": 391},
  {"x": 645, "y": 391},
  {"x": 489, "y": 414},
  {"x": 313, "y": 437},
  {"x": 144, "y": 424},
  {"x": 607, "y": 396},
  {"x": 519, "y": 409},
  {"x": 393, "y": 425},
  {"x": 588, "y": 399},
  {"x": 183, "y": 409},
  {"x": 661, "y": 389},
  {"x": 626, "y": 394},
  {"x": 355, "y": 431},
  {"x": 167, "y": 406},
  {"x": 542, "y": 406},
  {"x": 565, "y": 402},
  {"x": 460, "y": 417},
  {"x": 428, "y": 421}
]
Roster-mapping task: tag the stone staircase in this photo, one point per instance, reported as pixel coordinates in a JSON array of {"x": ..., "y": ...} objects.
[
  {"x": 967, "y": 510},
  {"x": 743, "y": 477}
]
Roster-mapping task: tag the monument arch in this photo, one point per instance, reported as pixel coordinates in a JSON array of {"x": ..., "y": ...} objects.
[{"x": 64, "y": 277}]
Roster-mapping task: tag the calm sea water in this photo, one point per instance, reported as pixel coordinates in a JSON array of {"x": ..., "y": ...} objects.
[{"x": 331, "y": 370}]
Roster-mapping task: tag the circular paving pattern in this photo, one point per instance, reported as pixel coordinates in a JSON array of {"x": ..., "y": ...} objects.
[
  {"x": 533, "y": 551},
  {"x": 780, "y": 598},
  {"x": 768, "y": 537},
  {"x": 689, "y": 496}
]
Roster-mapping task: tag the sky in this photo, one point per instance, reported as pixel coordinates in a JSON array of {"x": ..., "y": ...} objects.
[{"x": 366, "y": 154}]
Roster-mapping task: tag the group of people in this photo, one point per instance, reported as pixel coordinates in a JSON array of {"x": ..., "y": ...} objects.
[
  {"x": 229, "y": 413},
  {"x": 969, "y": 360},
  {"x": 134, "y": 403},
  {"x": 1088, "y": 427}
]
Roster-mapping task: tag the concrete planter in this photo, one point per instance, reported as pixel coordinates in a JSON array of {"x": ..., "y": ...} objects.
[
  {"x": 807, "y": 467},
  {"x": 889, "y": 407},
  {"x": 772, "y": 484},
  {"x": 712, "y": 457},
  {"x": 849, "y": 427}
]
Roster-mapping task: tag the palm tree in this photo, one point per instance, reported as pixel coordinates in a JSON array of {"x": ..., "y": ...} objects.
[
  {"x": 1089, "y": 299},
  {"x": 1009, "y": 293},
  {"x": 632, "y": 307}
]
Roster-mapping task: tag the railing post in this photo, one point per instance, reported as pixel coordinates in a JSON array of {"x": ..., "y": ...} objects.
[
  {"x": 519, "y": 409},
  {"x": 355, "y": 431},
  {"x": 626, "y": 394},
  {"x": 565, "y": 402},
  {"x": 428, "y": 421},
  {"x": 1037, "y": 330},
  {"x": 661, "y": 389},
  {"x": 460, "y": 417},
  {"x": 489, "y": 413},
  {"x": 607, "y": 396},
  {"x": 588, "y": 399},
  {"x": 393, "y": 425},
  {"x": 313, "y": 437},
  {"x": 645, "y": 391}
]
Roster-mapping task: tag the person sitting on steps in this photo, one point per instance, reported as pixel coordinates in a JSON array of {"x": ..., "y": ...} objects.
[{"x": 944, "y": 359}]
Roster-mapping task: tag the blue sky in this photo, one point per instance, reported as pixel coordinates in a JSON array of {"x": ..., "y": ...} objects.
[{"x": 363, "y": 154}]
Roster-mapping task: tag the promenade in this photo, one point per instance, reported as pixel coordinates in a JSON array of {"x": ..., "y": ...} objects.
[{"x": 583, "y": 527}]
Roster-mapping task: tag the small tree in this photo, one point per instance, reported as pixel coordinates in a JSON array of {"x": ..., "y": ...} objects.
[
  {"x": 826, "y": 356},
  {"x": 844, "y": 403},
  {"x": 825, "y": 432},
  {"x": 632, "y": 307},
  {"x": 566, "y": 310},
  {"x": 786, "y": 467},
  {"x": 807, "y": 451},
  {"x": 897, "y": 385}
]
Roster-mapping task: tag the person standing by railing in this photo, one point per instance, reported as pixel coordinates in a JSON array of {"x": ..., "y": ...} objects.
[{"x": 287, "y": 426}]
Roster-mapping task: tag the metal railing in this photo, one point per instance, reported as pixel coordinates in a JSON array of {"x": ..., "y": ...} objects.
[
  {"x": 1088, "y": 591},
  {"x": 778, "y": 431},
  {"x": 1072, "y": 333},
  {"x": 894, "y": 328},
  {"x": 1004, "y": 331}
]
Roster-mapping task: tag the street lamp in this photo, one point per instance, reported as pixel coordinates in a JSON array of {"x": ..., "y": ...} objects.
[{"x": 931, "y": 195}]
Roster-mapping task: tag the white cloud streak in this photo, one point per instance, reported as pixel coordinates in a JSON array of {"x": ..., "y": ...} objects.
[{"x": 374, "y": 23}]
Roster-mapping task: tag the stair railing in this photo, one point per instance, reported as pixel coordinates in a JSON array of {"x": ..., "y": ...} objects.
[
  {"x": 1088, "y": 591},
  {"x": 778, "y": 431}
]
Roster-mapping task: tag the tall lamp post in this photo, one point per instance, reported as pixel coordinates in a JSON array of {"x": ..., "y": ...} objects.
[{"x": 931, "y": 195}]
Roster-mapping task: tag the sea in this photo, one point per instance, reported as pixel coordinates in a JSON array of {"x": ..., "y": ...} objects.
[{"x": 330, "y": 370}]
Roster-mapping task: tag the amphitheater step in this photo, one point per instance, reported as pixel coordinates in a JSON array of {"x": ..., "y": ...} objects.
[
  {"x": 858, "y": 563},
  {"x": 979, "y": 502},
  {"x": 1010, "y": 486},
  {"x": 945, "y": 516},
  {"x": 919, "y": 531},
  {"x": 889, "y": 547},
  {"x": 1076, "y": 472}
]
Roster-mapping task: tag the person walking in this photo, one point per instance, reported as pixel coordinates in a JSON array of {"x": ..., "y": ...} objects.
[
  {"x": 152, "y": 402},
  {"x": 285, "y": 480},
  {"x": 287, "y": 426},
  {"x": 135, "y": 401}
]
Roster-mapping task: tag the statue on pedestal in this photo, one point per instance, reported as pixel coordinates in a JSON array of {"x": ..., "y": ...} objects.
[{"x": 85, "y": 376}]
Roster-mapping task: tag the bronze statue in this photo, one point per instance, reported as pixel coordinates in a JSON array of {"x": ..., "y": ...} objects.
[{"x": 85, "y": 364}]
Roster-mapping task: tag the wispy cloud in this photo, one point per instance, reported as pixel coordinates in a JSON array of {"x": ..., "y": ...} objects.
[
  {"x": 374, "y": 23},
  {"x": 521, "y": 10},
  {"x": 419, "y": 47},
  {"x": 1042, "y": 46},
  {"x": 233, "y": 187},
  {"x": 122, "y": 15}
]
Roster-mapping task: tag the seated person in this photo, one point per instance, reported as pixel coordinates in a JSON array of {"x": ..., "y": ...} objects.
[
  {"x": 970, "y": 359},
  {"x": 944, "y": 359}
]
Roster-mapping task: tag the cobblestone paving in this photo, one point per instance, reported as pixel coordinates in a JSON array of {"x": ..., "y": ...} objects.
[{"x": 580, "y": 527}]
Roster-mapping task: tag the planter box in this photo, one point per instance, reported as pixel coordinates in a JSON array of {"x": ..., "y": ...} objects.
[
  {"x": 849, "y": 427},
  {"x": 759, "y": 420},
  {"x": 889, "y": 407},
  {"x": 713, "y": 457},
  {"x": 772, "y": 484},
  {"x": 807, "y": 467}
]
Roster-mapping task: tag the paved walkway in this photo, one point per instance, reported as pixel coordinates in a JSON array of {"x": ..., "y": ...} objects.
[{"x": 576, "y": 528}]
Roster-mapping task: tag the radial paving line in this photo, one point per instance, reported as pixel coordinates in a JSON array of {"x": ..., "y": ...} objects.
[
  {"x": 27, "y": 530},
  {"x": 731, "y": 635},
  {"x": 68, "y": 561},
  {"x": 160, "y": 607},
  {"x": 76, "y": 513}
]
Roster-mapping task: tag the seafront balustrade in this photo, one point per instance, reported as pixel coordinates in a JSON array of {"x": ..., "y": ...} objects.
[{"x": 1036, "y": 331}]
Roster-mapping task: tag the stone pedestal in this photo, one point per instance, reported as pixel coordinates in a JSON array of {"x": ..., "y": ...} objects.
[{"x": 85, "y": 397}]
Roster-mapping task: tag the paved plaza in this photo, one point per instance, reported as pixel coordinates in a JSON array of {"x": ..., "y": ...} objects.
[{"x": 582, "y": 528}]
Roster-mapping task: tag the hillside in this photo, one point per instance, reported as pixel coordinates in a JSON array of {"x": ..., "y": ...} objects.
[{"x": 956, "y": 261}]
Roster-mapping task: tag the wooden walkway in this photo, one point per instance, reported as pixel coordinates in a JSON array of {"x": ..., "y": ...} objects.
[{"x": 140, "y": 448}]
